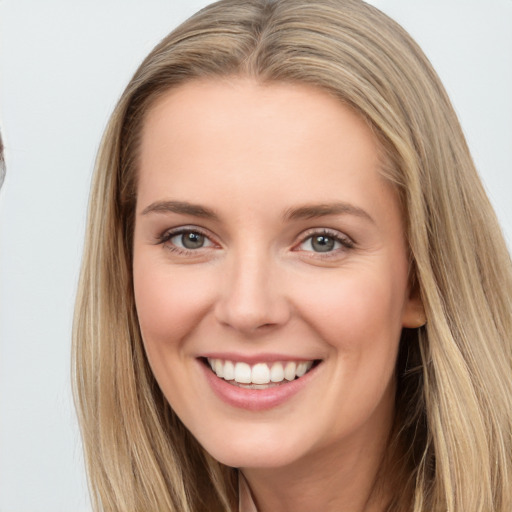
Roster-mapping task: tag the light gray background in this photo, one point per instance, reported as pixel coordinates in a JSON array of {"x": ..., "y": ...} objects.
[{"x": 62, "y": 67}]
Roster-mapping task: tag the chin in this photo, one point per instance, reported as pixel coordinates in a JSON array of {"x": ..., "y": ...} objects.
[
  {"x": 256, "y": 452},
  {"x": 261, "y": 460}
]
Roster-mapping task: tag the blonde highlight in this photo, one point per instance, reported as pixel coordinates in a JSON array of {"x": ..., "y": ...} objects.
[{"x": 454, "y": 405}]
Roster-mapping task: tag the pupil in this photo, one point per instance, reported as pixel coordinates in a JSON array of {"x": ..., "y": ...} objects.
[
  {"x": 192, "y": 240},
  {"x": 322, "y": 243}
]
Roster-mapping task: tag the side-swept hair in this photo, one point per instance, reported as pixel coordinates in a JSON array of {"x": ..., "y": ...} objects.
[{"x": 453, "y": 428}]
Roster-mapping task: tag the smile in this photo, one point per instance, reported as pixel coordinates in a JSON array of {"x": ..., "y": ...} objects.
[
  {"x": 258, "y": 385},
  {"x": 260, "y": 375}
]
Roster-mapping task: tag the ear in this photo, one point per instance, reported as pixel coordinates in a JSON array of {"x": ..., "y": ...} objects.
[{"x": 414, "y": 313}]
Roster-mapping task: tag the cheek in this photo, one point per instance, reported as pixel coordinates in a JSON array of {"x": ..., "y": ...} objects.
[
  {"x": 170, "y": 307},
  {"x": 359, "y": 317},
  {"x": 355, "y": 309},
  {"x": 169, "y": 303}
]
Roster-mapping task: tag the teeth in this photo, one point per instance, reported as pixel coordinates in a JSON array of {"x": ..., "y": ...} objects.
[
  {"x": 302, "y": 368},
  {"x": 218, "y": 368},
  {"x": 277, "y": 372},
  {"x": 242, "y": 373},
  {"x": 259, "y": 374},
  {"x": 229, "y": 370},
  {"x": 289, "y": 371}
]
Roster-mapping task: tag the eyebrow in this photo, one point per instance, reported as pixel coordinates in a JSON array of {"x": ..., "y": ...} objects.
[
  {"x": 298, "y": 213},
  {"x": 325, "y": 209},
  {"x": 180, "y": 207}
]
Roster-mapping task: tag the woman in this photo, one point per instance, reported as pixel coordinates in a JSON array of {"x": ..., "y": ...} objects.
[{"x": 292, "y": 269}]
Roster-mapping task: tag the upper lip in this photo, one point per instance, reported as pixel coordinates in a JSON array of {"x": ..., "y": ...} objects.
[{"x": 252, "y": 359}]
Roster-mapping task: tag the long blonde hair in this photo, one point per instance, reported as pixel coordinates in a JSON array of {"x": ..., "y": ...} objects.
[{"x": 452, "y": 441}]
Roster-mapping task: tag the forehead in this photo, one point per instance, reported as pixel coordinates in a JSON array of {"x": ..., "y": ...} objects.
[
  {"x": 248, "y": 103},
  {"x": 241, "y": 137}
]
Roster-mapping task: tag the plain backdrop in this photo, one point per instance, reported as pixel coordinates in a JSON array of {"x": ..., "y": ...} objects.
[{"x": 63, "y": 65}]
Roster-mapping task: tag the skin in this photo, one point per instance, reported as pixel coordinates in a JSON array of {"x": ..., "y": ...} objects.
[{"x": 251, "y": 153}]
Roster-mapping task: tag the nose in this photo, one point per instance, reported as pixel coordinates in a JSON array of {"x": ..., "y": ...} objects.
[{"x": 252, "y": 295}]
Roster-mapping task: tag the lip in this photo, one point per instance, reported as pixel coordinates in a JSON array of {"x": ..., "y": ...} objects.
[
  {"x": 254, "y": 359},
  {"x": 256, "y": 399}
]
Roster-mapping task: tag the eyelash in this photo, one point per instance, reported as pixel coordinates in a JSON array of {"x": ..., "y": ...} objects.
[
  {"x": 165, "y": 237},
  {"x": 345, "y": 242}
]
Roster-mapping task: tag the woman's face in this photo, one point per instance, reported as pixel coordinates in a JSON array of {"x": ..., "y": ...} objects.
[{"x": 267, "y": 244}]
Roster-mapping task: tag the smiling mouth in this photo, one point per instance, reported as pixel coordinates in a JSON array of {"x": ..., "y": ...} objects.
[{"x": 259, "y": 375}]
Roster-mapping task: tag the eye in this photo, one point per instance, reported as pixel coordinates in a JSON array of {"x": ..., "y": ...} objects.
[
  {"x": 190, "y": 240},
  {"x": 325, "y": 242},
  {"x": 185, "y": 239},
  {"x": 319, "y": 243}
]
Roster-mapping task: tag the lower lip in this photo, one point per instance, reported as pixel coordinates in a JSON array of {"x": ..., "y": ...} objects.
[{"x": 256, "y": 399}]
